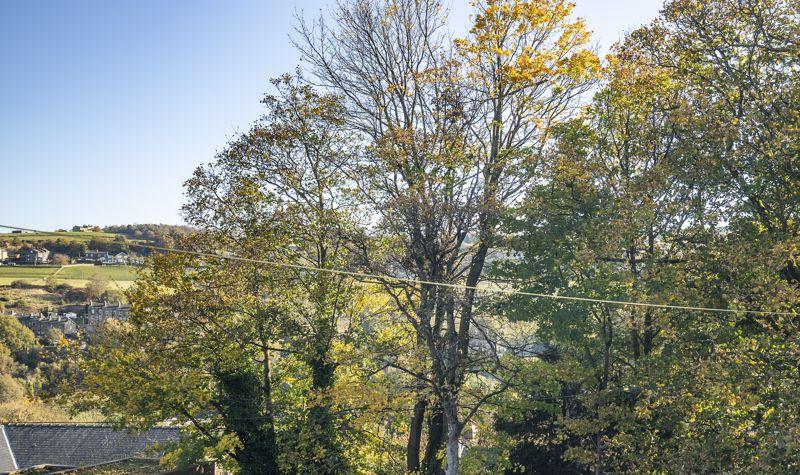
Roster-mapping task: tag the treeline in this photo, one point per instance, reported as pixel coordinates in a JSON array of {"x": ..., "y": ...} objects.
[
  {"x": 511, "y": 159},
  {"x": 159, "y": 234},
  {"x": 73, "y": 247}
]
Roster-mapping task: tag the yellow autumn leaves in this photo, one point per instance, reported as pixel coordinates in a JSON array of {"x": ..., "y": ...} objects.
[{"x": 527, "y": 43}]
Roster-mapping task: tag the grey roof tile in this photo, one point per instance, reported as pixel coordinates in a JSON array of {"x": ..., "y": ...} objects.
[
  {"x": 78, "y": 445},
  {"x": 7, "y": 463}
]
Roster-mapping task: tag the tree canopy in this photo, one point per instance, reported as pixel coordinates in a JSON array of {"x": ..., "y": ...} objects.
[{"x": 363, "y": 285}]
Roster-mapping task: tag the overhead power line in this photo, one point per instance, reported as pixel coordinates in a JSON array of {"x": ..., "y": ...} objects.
[{"x": 365, "y": 275}]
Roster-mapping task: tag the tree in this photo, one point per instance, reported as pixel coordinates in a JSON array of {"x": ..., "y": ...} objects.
[
  {"x": 296, "y": 154},
  {"x": 10, "y": 390},
  {"x": 7, "y": 363},
  {"x": 14, "y": 335},
  {"x": 653, "y": 195},
  {"x": 60, "y": 259},
  {"x": 96, "y": 286},
  {"x": 446, "y": 170},
  {"x": 737, "y": 62},
  {"x": 234, "y": 329},
  {"x": 449, "y": 132}
]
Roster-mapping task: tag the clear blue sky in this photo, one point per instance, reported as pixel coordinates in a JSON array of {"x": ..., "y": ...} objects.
[{"x": 106, "y": 107}]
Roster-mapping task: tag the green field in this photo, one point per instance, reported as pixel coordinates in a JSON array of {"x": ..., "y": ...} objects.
[
  {"x": 67, "y": 236},
  {"x": 75, "y": 275},
  {"x": 83, "y": 272},
  {"x": 9, "y": 273}
]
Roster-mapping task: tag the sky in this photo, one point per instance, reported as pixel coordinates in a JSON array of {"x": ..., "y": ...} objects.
[{"x": 106, "y": 107}]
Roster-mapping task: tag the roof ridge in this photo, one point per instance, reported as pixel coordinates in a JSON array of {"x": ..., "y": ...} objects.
[
  {"x": 62, "y": 423},
  {"x": 80, "y": 424}
]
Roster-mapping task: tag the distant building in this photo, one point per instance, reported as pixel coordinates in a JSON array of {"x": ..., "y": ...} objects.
[
  {"x": 120, "y": 258},
  {"x": 104, "y": 257},
  {"x": 41, "y": 325},
  {"x": 95, "y": 256},
  {"x": 34, "y": 256},
  {"x": 99, "y": 312}
]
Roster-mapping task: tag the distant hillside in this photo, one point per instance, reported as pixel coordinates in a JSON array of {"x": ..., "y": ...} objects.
[
  {"x": 82, "y": 236},
  {"x": 148, "y": 232},
  {"x": 114, "y": 239},
  {"x": 152, "y": 233}
]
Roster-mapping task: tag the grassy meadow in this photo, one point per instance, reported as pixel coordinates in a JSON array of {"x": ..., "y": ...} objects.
[{"x": 77, "y": 275}]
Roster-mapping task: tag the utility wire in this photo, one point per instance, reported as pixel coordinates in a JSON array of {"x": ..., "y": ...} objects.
[{"x": 364, "y": 275}]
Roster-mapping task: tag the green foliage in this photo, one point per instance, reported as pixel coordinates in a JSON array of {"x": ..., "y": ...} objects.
[
  {"x": 15, "y": 336},
  {"x": 676, "y": 184},
  {"x": 217, "y": 344}
]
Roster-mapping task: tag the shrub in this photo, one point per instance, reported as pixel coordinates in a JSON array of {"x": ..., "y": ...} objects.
[
  {"x": 15, "y": 335},
  {"x": 10, "y": 389},
  {"x": 60, "y": 259},
  {"x": 96, "y": 286},
  {"x": 76, "y": 295}
]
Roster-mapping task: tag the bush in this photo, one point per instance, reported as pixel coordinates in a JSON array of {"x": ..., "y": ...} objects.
[
  {"x": 76, "y": 295},
  {"x": 10, "y": 389},
  {"x": 26, "y": 410},
  {"x": 63, "y": 288},
  {"x": 60, "y": 259},
  {"x": 14, "y": 335},
  {"x": 23, "y": 305},
  {"x": 96, "y": 286},
  {"x": 8, "y": 365},
  {"x": 113, "y": 295},
  {"x": 50, "y": 283}
]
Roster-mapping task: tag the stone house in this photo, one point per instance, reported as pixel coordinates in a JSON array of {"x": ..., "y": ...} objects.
[
  {"x": 41, "y": 325},
  {"x": 32, "y": 255},
  {"x": 120, "y": 258},
  {"x": 95, "y": 256},
  {"x": 99, "y": 312}
]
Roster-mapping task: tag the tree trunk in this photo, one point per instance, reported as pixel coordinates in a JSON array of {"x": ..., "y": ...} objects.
[
  {"x": 247, "y": 403},
  {"x": 321, "y": 423},
  {"x": 453, "y": 435},
  {"x": 432, "y": 463},
  {"x": 415, "y": 435}
]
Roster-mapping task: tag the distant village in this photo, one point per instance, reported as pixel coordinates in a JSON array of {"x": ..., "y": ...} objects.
[
  {"x": 31, "y": 256},
  {"x": 87, "y": 319}
]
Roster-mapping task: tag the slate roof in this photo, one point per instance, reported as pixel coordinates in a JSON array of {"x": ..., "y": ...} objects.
[
  {"x": 7, "y": 462},
  {"x": 105, "y": 304},
  {"x": 77, "y": 445}
]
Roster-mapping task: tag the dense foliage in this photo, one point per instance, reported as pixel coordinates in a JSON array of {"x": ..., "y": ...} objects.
[{"x": 446, "y": 170}]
